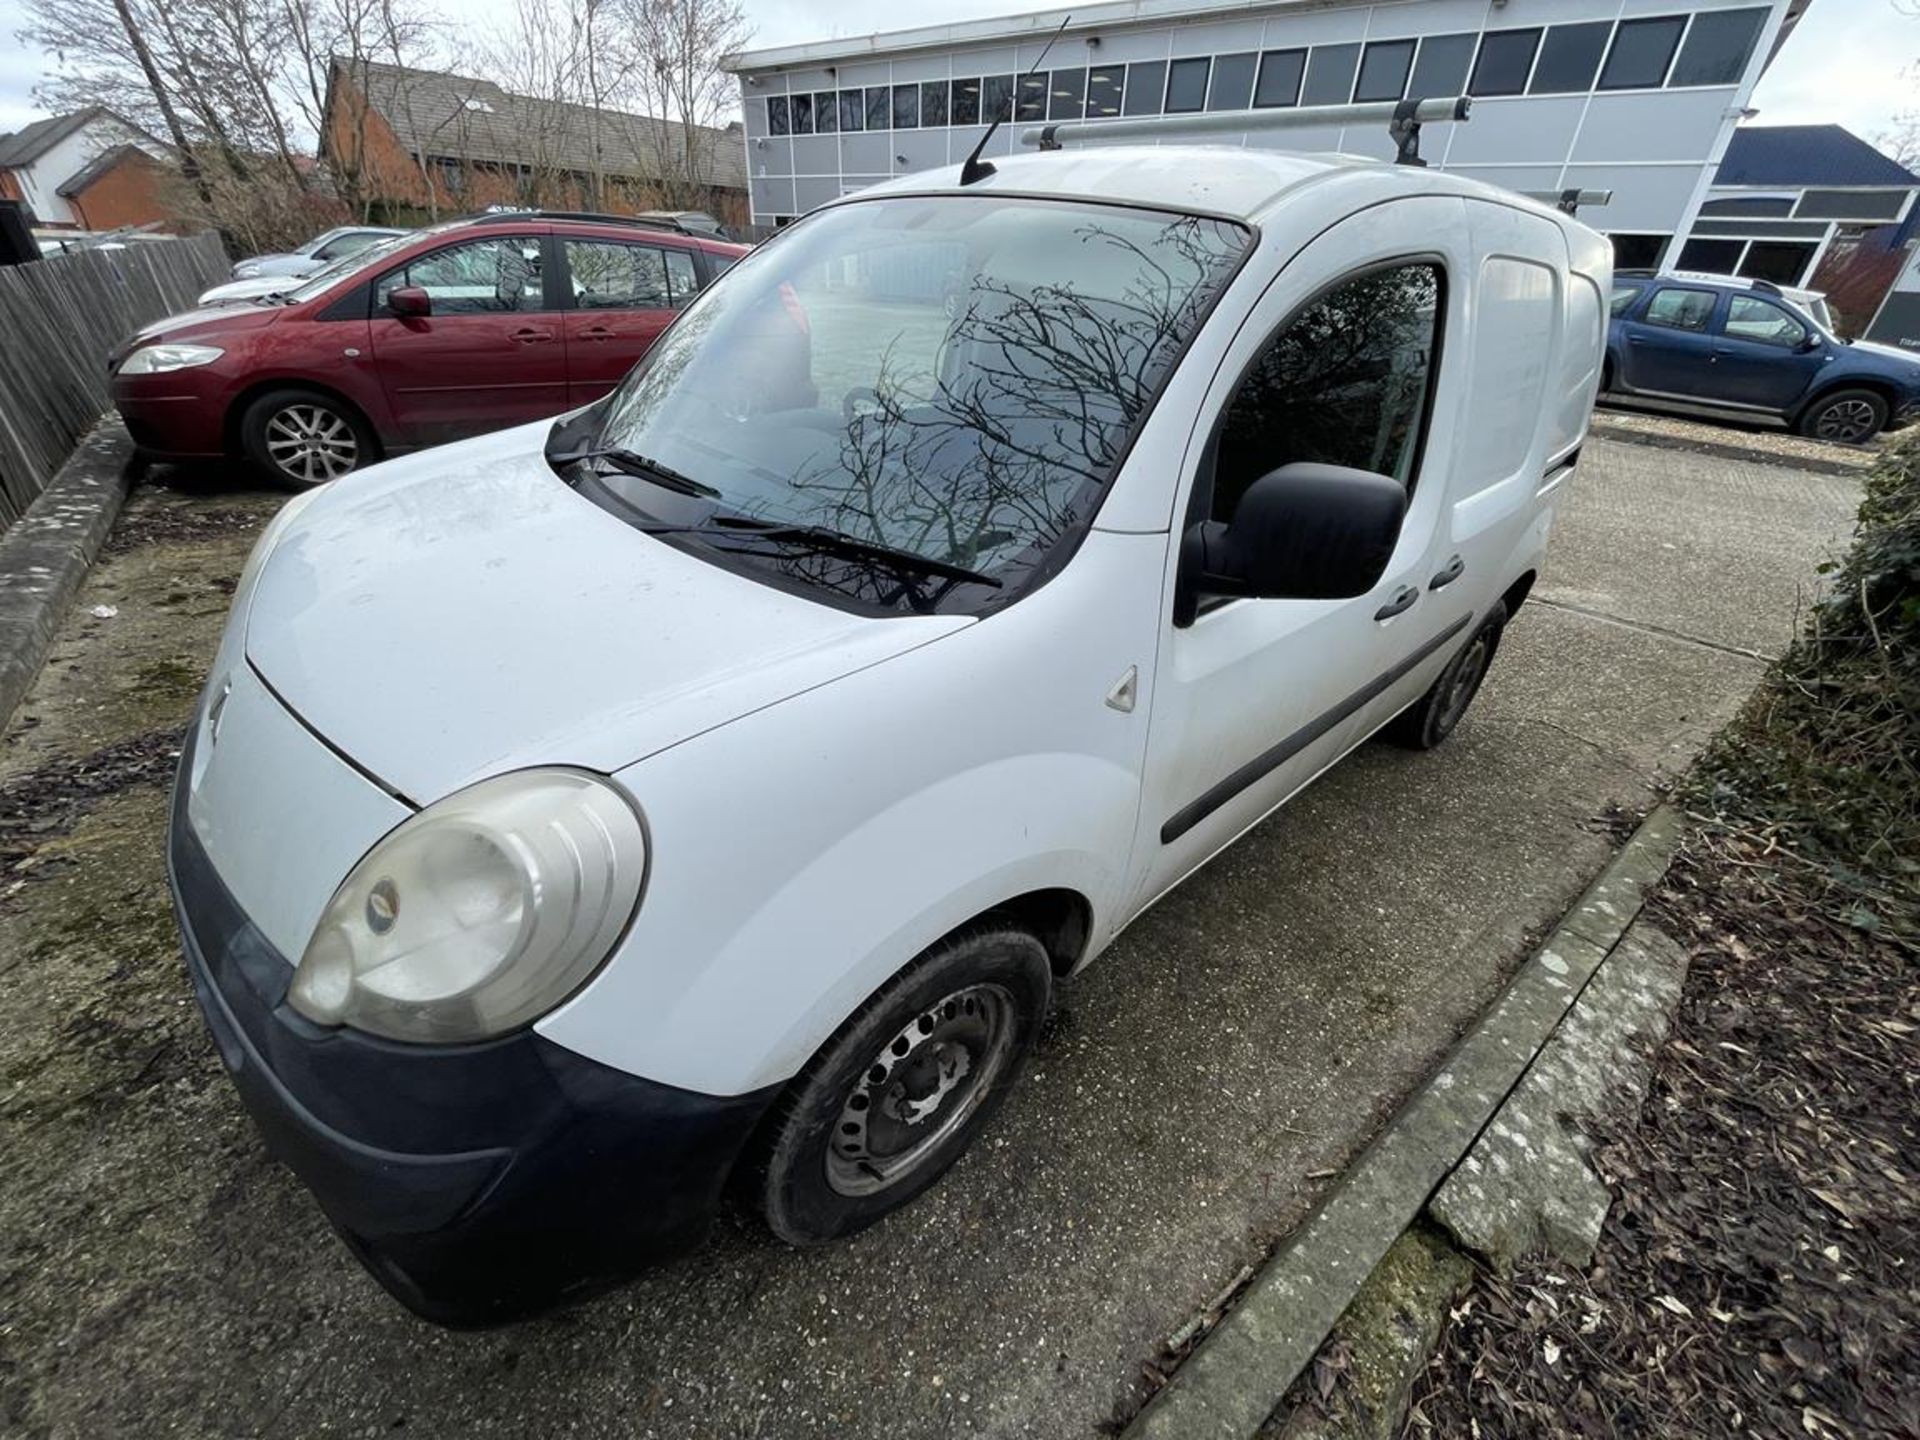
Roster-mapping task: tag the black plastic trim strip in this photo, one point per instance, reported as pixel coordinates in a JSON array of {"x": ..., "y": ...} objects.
[{"x": 1270, "y": 760}]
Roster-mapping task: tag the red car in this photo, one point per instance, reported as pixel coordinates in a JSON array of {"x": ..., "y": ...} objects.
[{"x": 444, "y": 333}]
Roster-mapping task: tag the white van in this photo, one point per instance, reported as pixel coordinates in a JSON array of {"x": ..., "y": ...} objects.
[{"x": 713, "y": 786}]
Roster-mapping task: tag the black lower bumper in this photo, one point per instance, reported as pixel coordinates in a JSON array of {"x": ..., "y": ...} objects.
[{"x": 479, "y": 1183}]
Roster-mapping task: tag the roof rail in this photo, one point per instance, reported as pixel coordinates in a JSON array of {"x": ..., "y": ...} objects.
[
  {"x": 514, "y": 217},
  {"x": 1403, "y": 119},
  {"x": 1568, "y": 202}
]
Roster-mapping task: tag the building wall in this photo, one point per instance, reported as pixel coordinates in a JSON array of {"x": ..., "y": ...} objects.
[
  {"x": 1654, "y": 145},
  {"x": 40, "y": 180},
  {"x": 131, "y": 193},
  {"x": 359, "y": 142}
]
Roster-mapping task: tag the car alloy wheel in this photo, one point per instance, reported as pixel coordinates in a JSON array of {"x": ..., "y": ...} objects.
[
  {"x": 311, "y": 444},
  {"x": 1850, "y": 421},
  {"x": 922, "y": 1086}
]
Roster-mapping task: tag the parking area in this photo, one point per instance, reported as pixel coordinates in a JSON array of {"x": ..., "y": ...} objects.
[{"x": 1197, "y": 1089}]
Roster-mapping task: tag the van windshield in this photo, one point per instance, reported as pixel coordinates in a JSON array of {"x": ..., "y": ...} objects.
[{"x": 953, "y": 377}]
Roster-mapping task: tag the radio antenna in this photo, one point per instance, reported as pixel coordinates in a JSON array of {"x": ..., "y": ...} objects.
[{"x": 976, "y": 168}]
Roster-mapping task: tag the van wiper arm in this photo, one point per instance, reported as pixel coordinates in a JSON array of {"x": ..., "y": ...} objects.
[
  {"x": 629, "y": 462},
  {"x": 820, "y": 537}
]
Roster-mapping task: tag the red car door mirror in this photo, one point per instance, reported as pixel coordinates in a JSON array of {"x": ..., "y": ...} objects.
[{"x": 410, "y": 302}]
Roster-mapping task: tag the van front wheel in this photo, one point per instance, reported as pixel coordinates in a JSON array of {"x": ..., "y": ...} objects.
[
  {"x": 899, "y": 1092},
  {"x": 1431, "y": 718}
]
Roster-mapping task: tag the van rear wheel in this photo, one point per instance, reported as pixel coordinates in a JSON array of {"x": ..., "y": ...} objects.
[
  {"x": 902, "y": 1088},
  {"x": 1431, "y": 718}
]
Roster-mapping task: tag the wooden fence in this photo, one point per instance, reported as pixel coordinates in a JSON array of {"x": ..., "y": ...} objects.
[{"x": 60, "y": 317}]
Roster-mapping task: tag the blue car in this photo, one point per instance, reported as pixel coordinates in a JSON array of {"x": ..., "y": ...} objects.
[{"x": 1742, "y": 346}]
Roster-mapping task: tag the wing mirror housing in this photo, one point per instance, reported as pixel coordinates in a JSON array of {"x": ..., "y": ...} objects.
[
  {"x": 410, "y": 302},
  {"x": 1809, "y": 342},
  {"x": 1302, "y": 532}
]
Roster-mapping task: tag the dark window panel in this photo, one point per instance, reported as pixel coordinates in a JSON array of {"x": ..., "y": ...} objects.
[
  {"x": 1718, "y": 47},
  {"x": 1032, "y": 103},
  {"x": 1639, "y": 252},
  {"x": 1642, "y": 50},
  {"x": 1330, "y": 75},
  {"x": 1766, "y": 205},
  {"x": 777, "y": 122},
  {"x": 1232, "y": 87},
  {"x": 1569, "y": 58},
  {"x": 966, "y": 102},
  {"x": 1145, "y": 85},
  {"x": 1440, "y": 69},
  {"x": 1715, "y": 257},
  {"x": 802, "y": 114},
  {"x": 1782, "y": 262},
  {"x": 933, "y": 102},
  {"x": 996, "y": 98},
  {"x": 1105, "y": 86},
  {"x": 1187, "y": 85},
  {"x": 879, "y": 108},
  {"x": 1505, "y": 58},
  {"x": 1384, "y": 67},
  {"x": 1850, "y": 204},
  {"x": 1280, "y": 74},
  {"x": 853, "y": 110},
  {"x": 906, "y": 107},
  {"x": 826, "y": 112},
  {"x": 1067, "y": 95}
]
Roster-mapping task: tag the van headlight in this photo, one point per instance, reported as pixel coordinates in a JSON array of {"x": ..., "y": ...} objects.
[
  {"x": 159, "y": 359},
  {"x": 479, "y": 914}
]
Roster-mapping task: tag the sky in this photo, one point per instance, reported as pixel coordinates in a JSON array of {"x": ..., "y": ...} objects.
[{"x": 1846, "y": 64}]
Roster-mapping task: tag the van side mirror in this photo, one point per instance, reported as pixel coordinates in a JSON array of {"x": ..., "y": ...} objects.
[
  {"x": 1302, "y": 532},
  {"x": 410, "y": 302}
]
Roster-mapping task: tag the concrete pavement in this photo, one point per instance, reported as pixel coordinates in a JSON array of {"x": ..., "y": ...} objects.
[{"x": 1196, "y": 1090}]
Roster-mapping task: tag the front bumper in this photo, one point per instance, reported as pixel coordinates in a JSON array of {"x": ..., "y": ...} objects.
[
  {"x": 178, "y": 414},
  {"x": 479, "y": 1183}
]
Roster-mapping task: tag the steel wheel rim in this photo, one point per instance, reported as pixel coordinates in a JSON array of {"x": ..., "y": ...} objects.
[
  {"x": 1845, "y": 420},
  {"x": 924, "y": 1084},
  {"x": 311, "y": 443},
  {"x": 1466, "y": 680}
]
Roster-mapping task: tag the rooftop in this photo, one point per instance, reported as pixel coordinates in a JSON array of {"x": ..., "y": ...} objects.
[
  {"x": 1803, "y": 155},
  {"x": 23, "y": 147}
]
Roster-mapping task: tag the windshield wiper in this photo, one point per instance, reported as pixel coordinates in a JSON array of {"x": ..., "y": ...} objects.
[
  {"x": 819, "y": 537},
  {"x": 629, "y": 462}
]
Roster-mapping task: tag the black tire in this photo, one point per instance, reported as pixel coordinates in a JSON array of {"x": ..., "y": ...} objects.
[
  {"x": 300, "y": 438},
  {"x": 1850, "y": 417},
  {"x": 1433, "y": 717},
  {"x": 909, "y": 1037}
]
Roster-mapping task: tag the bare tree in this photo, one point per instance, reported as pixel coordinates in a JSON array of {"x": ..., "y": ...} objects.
[{"x": 673, "y": 50}]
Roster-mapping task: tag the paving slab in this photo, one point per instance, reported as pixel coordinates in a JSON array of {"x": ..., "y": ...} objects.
[{"x": 1197, "y": 1095}]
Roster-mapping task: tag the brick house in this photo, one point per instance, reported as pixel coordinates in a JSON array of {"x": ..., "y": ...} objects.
[
  {"x": 403, "y": 143},
  {"x": 90, "y": 169}
]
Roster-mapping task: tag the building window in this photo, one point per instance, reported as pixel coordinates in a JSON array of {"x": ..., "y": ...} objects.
[
  {"x": 906, "y": 107},
  {"x": 1748, "y": 206},
  {"x": 1187, "y": 85},
  {"x": 1440, "y": 69},
  {"x": 826, "y": 112},
  {"x": 1718, "y": 47},
  {"x": 879, "y": 108},
  {"x": 802, "y": 114},
  {"x": 1506, "y": 58},
  {"x": 1569, "y": 58},
  {"x": 1714, "y": 257},
  {"x": 996, "y": 98},
  {"x": 1642, "y": 50},
  {"x": 777, "y": 115},
  {"x": 933, "y": 102},
  {"x": 1781, "y": 262},
  {"x": 966, "y": 102},
  {"x": 1232, "y": 87},
  {"x": 1384, "y": 67},
  {"x": 1330, "y": 75},
  {"x": 853, "y": 110},
  {"x": 1145, "y": 85},
  {"x": 1639, "y": 252},
  {"x": 1031, "y": 98},
  {"x": 1851, "y": 205},
  {"x": 1067, "y": 95},
  {"x": 1105, "y": 87},
  {"x": 1280, "y": 75}
]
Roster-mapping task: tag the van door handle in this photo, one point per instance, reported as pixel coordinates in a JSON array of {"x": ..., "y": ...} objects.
[
  {"x": 1402, "y": 600},
  {"x": 530, "y": 336},
  {"x": 1448, "y": 573}
]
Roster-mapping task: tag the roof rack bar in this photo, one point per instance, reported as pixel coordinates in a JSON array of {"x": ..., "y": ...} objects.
[
  {"x": 1568, "y": 202},
  {"x": 1402, "y": 118},
  {"x": 514, "y": 217}
]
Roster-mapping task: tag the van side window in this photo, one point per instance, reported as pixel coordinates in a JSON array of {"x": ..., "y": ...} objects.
[
  {"x": 1681, "y": 309},
  {"x": 1344, "y": 382}
]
